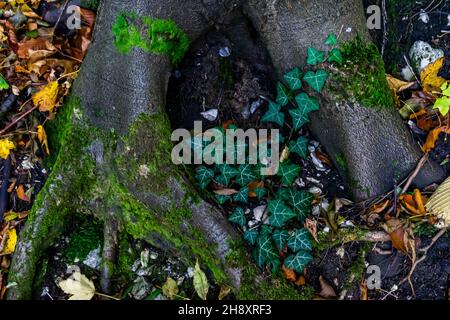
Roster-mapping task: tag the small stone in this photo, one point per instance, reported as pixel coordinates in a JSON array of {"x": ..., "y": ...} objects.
[
  {"x": 422, "y": 55},
  {"x": 145, "y": 254},
  {"x": 225, "y": 52},
  {"x": 190, "y": 272},
  {"x": 153, "y": 255},
  {"x": 141, "y": 288},
  {"x": 407, "y": 74},
  {"x": 258, "y": 212},
  {"x": 424, "y": 17},
  {"x": 93, "y": 259},
  {"x": 210, "y": 115}
]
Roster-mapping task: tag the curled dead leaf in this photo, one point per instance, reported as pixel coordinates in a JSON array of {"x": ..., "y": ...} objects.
[
  {"x": 46, "y": 98},
  {"x": 288, "y": 274},
  {"x": 327, "y": 290}
]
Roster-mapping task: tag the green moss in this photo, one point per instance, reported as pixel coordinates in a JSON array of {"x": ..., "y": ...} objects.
[
  {"x": 87, "y": 237},
  {"x": 90, "y": 4},
  {"x": 341, "y": 161},
  {"x": 362, "y": 77},
  {"x": 330, "y": 240},
  {"x": 162, "y": 36},
  {"x": 226, "y": 75},
  {"x": 358, "y": 266}
]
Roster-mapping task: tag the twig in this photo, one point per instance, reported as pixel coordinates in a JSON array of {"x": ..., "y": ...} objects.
[
  {"x": 12, "y": 124},
  {"x": 385, "y": 31},
  {"x": 415, "y": 173},
  {"x": 424, "y": 256}
]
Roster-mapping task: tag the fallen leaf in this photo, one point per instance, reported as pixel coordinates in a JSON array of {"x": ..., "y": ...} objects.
[
  {"x": 5, "y": 148},
  {"x": 431, "y": 82},
  {"x": 326, "y": 290},
  {"x": 363, "y": 291},
  {"x": 311, "y": 226},
  {"x": 378, "y": 208},
  {"x": 401, "y": 235},
  {"x": 301, "y": 281},
  {"x": 46, "y": 98},
  {"x": 11, "y": 242},
  {"x": 170, "y": 288},
  {"x": 432, "y": 138},
  {"x": 289, "y": 274},
  {"x": 225, "y": 192},
  {"x": 200, "y": 282},
  {"x": 397, "y": 85},
  {"x": 224, "y": 291},
  {"x": 21, "y": 194},
  {"x": 78, "y": 286},
  {"x": 42, "y": 136},
  {"x": 252, "y": 186}
]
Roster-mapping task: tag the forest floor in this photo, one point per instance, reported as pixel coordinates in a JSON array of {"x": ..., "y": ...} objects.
[{"x": 226, "y": 79}]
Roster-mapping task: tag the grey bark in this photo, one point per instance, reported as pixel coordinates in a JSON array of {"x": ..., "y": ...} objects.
[{"x": 126, "y": 86}]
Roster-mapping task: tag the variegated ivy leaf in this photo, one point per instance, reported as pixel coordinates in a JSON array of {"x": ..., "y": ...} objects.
[
  {"x": 241, "y": 196},
  {"x": 266, "y": 230},
  {"x": 300, "y": 147},
  {"x": 281, "y": 213},
  {"x": 300, "y": 117},
  {"x": 300, "y": 240},
  {"x": 251, "y": 235},
  {"x": 260, "y": 193},
  {"x": 294, "y": 79},
  {"x": 315, "y": 56},
  {"x": 273, "y": 114},
  {"x": 246, "y": 174},
  {"x": 265, "y": 250},
  {"x": 335, "y": 55},
  {"x": 288, "y": 172},
  {"x": 226, "y": 173},
  {"x": 306, "y": 102},
  {"x": 280, "y": 237},
  {"x": 221, "y": 199},
  {"x": 316, "y": 80},
  {"x": 299, "y": 261},
  {"x": 203, "y": 176},
  {"x": 299, "y": 200},
  {"x": 238, "y": 217},
  {"x": 283, "y": 94},
  {"x": 331, "y": 40}
]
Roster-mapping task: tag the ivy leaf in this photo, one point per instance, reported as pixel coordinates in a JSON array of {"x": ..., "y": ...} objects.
[
  {"x": 300, "y": 147},
  {"x": 226, "y": 173},
  {"x": 241, "y": 196},
  {"x": 3, "y": 83},
  {"x": 265, "y": 250},
  {"x": 274, "y": 264},
  {"x": 251, "y": 235},
  {"x": 238, "y": 217},
  {"x": 316, "y": 80},
  {"x": 335, "y": 56},
  {"x": 299, "y": 261},
  {"x": 307, "y": 102},
  {"x": 294, "y": 79},
  {"x": 300, "y": 240},
  {"x": 288, "y": 172},
  {"x": 283, "y": 94},
  {"x": 245, "y": 175},
  {"x": 281, "y": 213},
  {"x": 221, "y": 199},
  {"x": 331, "y": 40},
  {"x": 280, "y": 237},
  {"x": 300, "y": 200},
  {"x": 300, "y": 117},
  {"x": 273, "y": 114},
  {"x": 315, "y": 56},
  {"x": 204, "y": 176},
  {"x": 260, "y": 193},
  {"x": 266, "y": 230}
]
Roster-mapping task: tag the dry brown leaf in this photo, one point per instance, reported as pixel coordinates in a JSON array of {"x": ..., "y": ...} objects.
[
  {"x": 288, "y": 274},
  {"x": 363, "y": 290},
  {"x": 254, "y": 185},
  {"x": 225, "y": 192},
  {"x": 224, "y": 291},
  {"x": 301, "y": 281},
  {"x": 326, "y": 290},
  {"x": 47, "y": 97},
  {"x": 311, "y": 226},
  {"x": 21, "y": 194},
  {"x": 379, "y": 208}
]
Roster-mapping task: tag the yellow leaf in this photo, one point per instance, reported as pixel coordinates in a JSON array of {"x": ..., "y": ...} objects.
[
  {"x": 11, "y": 241},
  {"x": 46, "y": 98},
  {"x": 397, "y": 86},
  {"x": 42, "y": 136},
  {"x": 78, "y": 286},
  {"x": 170, "y": 288},
  {"x": 431, "y": 82},
  {"x": 5, "y": 147}
]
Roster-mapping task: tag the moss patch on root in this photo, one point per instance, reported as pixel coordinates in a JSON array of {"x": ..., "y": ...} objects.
[{"x": 362, "y": 76}]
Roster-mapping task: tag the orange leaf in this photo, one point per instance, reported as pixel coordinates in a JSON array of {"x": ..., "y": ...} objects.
[
  {"x": 289, "y": 274},
  {"x": 419, "y": 199},
  {"x": 301, "y": 281},
  {"x": 254, "y": 185},
  {"x": 432, "y": 138},
  {"x": 21, "y": 194},
  {"x": 378, "y": 208}
]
